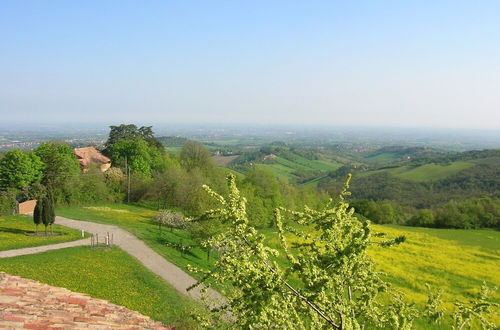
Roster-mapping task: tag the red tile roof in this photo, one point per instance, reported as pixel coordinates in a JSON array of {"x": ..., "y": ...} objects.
[
  {"x": 89, "y": 155},
  {"x": 33, "y": 305}
]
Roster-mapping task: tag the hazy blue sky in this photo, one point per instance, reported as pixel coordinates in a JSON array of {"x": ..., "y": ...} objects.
[{"x": 390, "y": 63}]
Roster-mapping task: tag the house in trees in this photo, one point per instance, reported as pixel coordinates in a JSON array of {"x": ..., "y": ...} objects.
[{"x": 89, "y": 156}]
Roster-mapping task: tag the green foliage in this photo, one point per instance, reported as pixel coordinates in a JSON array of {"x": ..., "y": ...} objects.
[
  {"x": 466, "y": 314},
  {"x": 38, "y": 213},
  {"x": 44, "y": 211},
  {"x": 7, "y": 202},
  {"x": 136, "y": 154},
  {"x": 60, "y": 164},
  {"x": 19, "y": 170},
  {"x": 383, "y": 212},
  {"x": 195, "y": 155},
  {"x": 131, "y": 132}
]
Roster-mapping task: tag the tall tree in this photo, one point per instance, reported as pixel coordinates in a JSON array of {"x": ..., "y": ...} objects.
[
  {"x": 194, "y": 154},
  {"x": 38, "y": 212},
  {"x": 60, "y": 164},
  {"x": 130, "y": 132},
  {"x": 19, "y": 170}
]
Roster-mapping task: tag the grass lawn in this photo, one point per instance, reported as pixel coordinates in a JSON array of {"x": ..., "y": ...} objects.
[
  {"x": 107, "y": 274},
  {"x": 13, "y": 230}
]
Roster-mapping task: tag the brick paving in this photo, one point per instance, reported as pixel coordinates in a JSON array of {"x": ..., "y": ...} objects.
[{"x": 28, "y": 304}]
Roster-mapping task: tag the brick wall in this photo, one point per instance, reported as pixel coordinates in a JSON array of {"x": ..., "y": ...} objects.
[{"x": 26, "y": 207}]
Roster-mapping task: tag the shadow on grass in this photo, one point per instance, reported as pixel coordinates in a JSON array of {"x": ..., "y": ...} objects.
[
  {"x": 15, "y": 230},
  {"x": 179, "y": 246}
]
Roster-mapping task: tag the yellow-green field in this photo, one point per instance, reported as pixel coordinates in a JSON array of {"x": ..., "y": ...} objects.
[
  {"x": 446, "y": 261},
  {"x": 14, "y": 229}
]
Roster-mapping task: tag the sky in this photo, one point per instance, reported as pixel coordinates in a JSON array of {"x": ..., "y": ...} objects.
[{"x": 344, "y": 63}]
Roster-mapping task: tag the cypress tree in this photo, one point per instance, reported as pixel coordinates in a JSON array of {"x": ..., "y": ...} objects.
[
  {"x": 51, "y": 214},
  {"x": 37, "y": 213},
  {"x": 48, "y": 213}
]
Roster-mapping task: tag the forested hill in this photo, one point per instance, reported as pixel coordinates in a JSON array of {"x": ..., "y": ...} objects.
[
  {"x": 401, "y": 181},
  {"x": 456, "y": 190}
]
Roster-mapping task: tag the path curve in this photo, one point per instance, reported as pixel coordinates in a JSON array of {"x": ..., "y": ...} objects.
[{"x": 174, "y": 275}]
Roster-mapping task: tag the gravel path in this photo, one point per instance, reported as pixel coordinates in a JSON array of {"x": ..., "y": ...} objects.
[
  {"x": 179, "y": 279},
  {"x": 43, "y": 248}
]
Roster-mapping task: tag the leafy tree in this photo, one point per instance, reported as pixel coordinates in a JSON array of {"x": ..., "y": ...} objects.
[
  {"x": 60, "y": 164},
  {"x": 136, "y": 154},
  {"x": 48, "y": 211},
  {"x": 337, "y": 285},
  {"x": 131, "y": 132},
  {"x": 38, "y": 213},
  {"x": 473, "y": 313},
  {"x": 170, "y": 219},
  {"x": 424, "y": 218},
  {"x": 195, "y": 155},
  {"x": 7, "y": 202},
  {"x": 44, "y": 211},
  {"x": 19, "y": 170}
]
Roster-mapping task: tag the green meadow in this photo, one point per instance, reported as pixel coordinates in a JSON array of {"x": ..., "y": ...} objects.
[
  {"x": 423, "y": 173},
  {"x": 112, "y": 275},
  {"x": 431, "y": 172},
  {"x": 285, "y": 168}
]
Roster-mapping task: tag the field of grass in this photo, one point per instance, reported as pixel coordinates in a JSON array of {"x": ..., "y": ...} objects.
[
  {"x": 112, "y": 275},
  {"x": 457, "y": 261},
  {"x": 14, "y": 229},
  {"x": 430, "y": 172},
  {"x": 285, "y": 168},
  {"x": 423, "y": 173}
]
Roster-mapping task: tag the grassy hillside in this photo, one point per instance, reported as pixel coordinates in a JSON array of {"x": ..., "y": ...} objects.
[
  {"x": 431, "y": 172},
  {"x": 422, "y": 173},
  {"x": 457, "y": 261},
  {"x": 292, "y": 169}
]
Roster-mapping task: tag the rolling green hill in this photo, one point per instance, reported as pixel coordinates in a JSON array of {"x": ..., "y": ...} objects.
[
  {"x": 423, "y": 173},
  {"x": 431, "y": 172}
]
